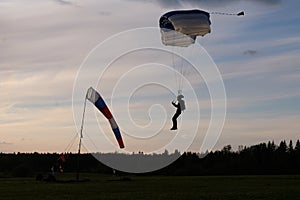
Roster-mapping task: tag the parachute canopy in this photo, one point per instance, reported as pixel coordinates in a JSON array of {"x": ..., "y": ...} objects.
[
  {"x": 181, "y": 27},
  {"x": 94, "y": 97}
]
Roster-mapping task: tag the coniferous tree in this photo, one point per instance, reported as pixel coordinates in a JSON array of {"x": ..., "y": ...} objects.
[
  {"x": 290, "y": 148},
  {"x": 282, "y": 147},
  {"x": 297, "y": 146},
  {"x": 271, "y": 146}
]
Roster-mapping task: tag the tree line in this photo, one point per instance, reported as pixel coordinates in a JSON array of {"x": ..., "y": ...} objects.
[{"x": 263, "y": 158}]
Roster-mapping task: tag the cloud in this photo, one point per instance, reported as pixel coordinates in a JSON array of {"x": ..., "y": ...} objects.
[
  {"x": 211, "y": 3},
  {"x": 63, "y": 2},
  {"x": 250, "y": 52},
  {"x": 268, "y": 2},
  {"x": 5, "y": 143},
  {"x": 105, "y": 13}
]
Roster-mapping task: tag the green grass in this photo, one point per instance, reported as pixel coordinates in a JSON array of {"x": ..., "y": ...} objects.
[{"x": 154, "y": 187}]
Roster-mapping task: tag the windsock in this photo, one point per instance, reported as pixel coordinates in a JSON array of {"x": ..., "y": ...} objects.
[{"x": 94, "y": 97}]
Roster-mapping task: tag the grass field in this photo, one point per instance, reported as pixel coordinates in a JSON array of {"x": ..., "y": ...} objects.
[{"x": 154, "y": 187}]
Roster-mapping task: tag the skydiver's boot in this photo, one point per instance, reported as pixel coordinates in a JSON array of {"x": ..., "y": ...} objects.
[{"x": 174, "y": 127}]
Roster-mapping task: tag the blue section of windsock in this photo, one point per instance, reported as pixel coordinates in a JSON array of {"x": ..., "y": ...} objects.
[
  {"x": 100, "y": 104},
  {"x": 117, "y": 133},
  {"x": 118, "y": 137},
  {"x": 116, "y": 130}
]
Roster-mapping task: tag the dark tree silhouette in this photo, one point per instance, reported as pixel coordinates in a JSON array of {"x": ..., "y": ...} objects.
[
  {"x": 263, "y": 158},
  {"x": 290, "y": 147},
  {"x": 297, "y": 146}
]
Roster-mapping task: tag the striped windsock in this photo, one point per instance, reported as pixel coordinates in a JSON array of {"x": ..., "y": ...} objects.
[{"x": 94, "y": 97}]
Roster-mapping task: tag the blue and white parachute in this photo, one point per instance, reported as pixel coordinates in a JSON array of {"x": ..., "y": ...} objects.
[{"x": 181, "y": 27}]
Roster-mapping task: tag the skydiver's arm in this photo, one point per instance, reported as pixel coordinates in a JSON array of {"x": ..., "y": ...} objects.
[{"x": 174, "y": 104}]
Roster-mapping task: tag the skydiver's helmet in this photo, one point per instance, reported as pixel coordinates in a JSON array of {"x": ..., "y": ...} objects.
[{"x": 179, "y": 97}]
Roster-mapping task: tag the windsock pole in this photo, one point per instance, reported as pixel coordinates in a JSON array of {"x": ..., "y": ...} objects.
[{"x": 80, "y": 137}]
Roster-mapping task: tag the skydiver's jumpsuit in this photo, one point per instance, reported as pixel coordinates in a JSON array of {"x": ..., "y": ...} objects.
[{"x": 176, "y": 115}]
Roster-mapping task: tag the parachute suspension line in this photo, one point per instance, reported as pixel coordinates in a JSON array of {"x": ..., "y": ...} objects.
[
  {"x": 182, "y": 74},
  {"x": 181, "y": 71},
  {"x": 221, "y": 13},
  {"x": 174, "y": 65},
  {"x": 80, "y": 137}
]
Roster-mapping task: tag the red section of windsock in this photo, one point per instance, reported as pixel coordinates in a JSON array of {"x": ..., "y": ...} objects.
[
  {"x": 121, "y": 144},
  {"x": 106, "y": 113}
]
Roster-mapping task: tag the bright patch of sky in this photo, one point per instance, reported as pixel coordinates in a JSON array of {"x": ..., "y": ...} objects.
[{"x": 43, "y": 44}]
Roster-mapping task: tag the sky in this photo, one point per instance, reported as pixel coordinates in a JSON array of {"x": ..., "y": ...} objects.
[{"x": 47, "y": 50}]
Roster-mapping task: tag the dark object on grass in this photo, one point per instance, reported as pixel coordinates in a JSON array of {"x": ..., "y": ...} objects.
[
  {"x": 50, "y": 178},
  {"x": 39, "y": 177},
  {"x": 121, "y": 179}
]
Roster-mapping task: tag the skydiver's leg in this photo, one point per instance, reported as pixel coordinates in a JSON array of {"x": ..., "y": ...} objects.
[{"x": 174, "y": 120}]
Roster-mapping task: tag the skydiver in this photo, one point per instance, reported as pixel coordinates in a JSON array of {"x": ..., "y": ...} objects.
[{"x": 180, "y": 107}]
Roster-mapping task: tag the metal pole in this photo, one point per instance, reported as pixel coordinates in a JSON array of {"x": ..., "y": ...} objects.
[{"x": 81, "y": 136}]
